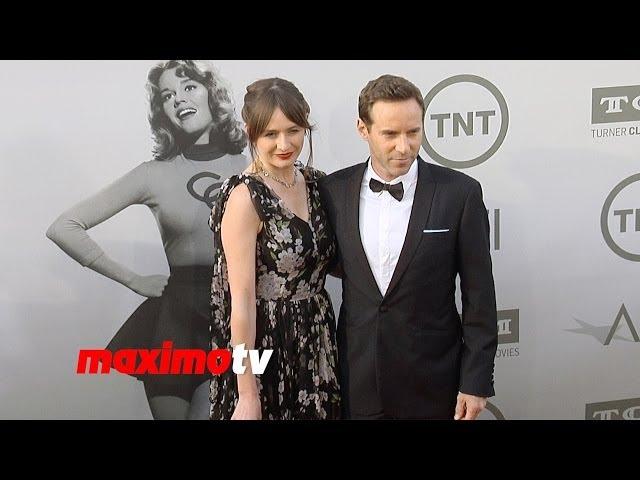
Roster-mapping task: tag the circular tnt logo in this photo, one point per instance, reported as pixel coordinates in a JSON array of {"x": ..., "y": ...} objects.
[
  {"x": 491, "y": 412},
  {"x": 620, "y": 219},
  {"x": 466, "y": 121}
]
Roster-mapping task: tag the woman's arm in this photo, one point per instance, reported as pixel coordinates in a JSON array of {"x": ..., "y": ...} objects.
[
  {"x": 69, "y": 231},
  {"x": 239, "y": 230}
]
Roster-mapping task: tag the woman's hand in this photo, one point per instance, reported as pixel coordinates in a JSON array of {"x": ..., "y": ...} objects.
[
  {"x": 149, "y": 285},
  {"x": 248, "y": 408}
]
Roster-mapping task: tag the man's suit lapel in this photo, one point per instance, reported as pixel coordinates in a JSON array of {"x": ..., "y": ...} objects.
[
  {"x": 353, "y": 230},
  {"x": 425, "y": 188}
]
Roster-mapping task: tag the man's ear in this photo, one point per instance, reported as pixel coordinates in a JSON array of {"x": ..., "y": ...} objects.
[{"x": 362, "y": 129}]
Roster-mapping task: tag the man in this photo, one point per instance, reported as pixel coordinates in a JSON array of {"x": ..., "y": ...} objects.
[{"x": 405, "y": 229}]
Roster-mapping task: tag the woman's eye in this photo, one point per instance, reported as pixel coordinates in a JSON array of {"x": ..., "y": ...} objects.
[
  {"x": 166, "y": 96},
  {"x": 188, "y": 88}
]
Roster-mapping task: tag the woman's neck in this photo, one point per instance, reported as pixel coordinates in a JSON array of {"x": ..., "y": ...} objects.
[
  {"x": 283, "y": 173},
  {"x": 201, "y": 147}
]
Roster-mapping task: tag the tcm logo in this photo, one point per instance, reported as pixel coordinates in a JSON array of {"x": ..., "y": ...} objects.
[
  {"x": 628, "y": 409},
  {"x": 620, "y": 219},
  {"x": 615, "y": 104},
  {"x": 508, "y": 326},
  {"x": 466, "y": 121},
  {"x": 508, "y": 333}
]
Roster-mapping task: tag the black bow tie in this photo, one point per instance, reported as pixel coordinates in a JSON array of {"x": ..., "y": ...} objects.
[{"x": 396, "y": 191}]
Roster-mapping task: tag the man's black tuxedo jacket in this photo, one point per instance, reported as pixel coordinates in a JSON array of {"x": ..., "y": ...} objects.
[{"x": 409, "y": 352}]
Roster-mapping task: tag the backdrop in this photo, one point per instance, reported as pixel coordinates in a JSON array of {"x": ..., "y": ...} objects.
[{"x": 554, "y": 144}]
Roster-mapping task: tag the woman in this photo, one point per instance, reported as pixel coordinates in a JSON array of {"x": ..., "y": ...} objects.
[
  {"x": 198, "y": 144},
  {"x": 273, "y": 246}
]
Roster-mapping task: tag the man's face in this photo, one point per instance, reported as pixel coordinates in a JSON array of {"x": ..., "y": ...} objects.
[{"x": 394, "y": 136}]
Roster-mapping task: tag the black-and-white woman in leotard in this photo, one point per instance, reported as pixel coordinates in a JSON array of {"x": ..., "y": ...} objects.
[{"x": 198, "y": 145}]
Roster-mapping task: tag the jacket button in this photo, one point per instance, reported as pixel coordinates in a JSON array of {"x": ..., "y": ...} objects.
[{"x": 383, "y": 308}]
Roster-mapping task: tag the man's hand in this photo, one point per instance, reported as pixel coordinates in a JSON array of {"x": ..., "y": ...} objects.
[{"x": 468, "y": 407}]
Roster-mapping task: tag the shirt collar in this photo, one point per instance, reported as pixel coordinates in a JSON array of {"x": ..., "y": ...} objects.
[{"x": 408, "y": 178}]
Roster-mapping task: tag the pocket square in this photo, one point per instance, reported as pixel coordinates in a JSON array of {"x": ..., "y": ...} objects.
[{"x": 436, "y": 231}]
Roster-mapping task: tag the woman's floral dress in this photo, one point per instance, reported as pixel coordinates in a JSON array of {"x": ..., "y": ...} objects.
[{"x": 294, "y": 315}]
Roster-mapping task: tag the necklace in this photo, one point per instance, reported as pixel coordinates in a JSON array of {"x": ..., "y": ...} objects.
[{"x": 279, "y": 180}]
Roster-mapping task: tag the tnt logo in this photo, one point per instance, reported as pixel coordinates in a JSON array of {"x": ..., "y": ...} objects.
[
  {"x": 491, "y": 412},
  {"x": 466, "y": 121},
  {"x": 457, "y": 122},
  {"x": 623, "y": 214},
  {"x": 628, "y": 409},
  {"x": 615, "y": 104},
  {"x": 620, "y": 219}
]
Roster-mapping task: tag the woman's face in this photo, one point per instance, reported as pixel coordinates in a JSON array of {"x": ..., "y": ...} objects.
[
  {"x": 186, "y": 104},
  {"x": 281, "y": 143}
]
